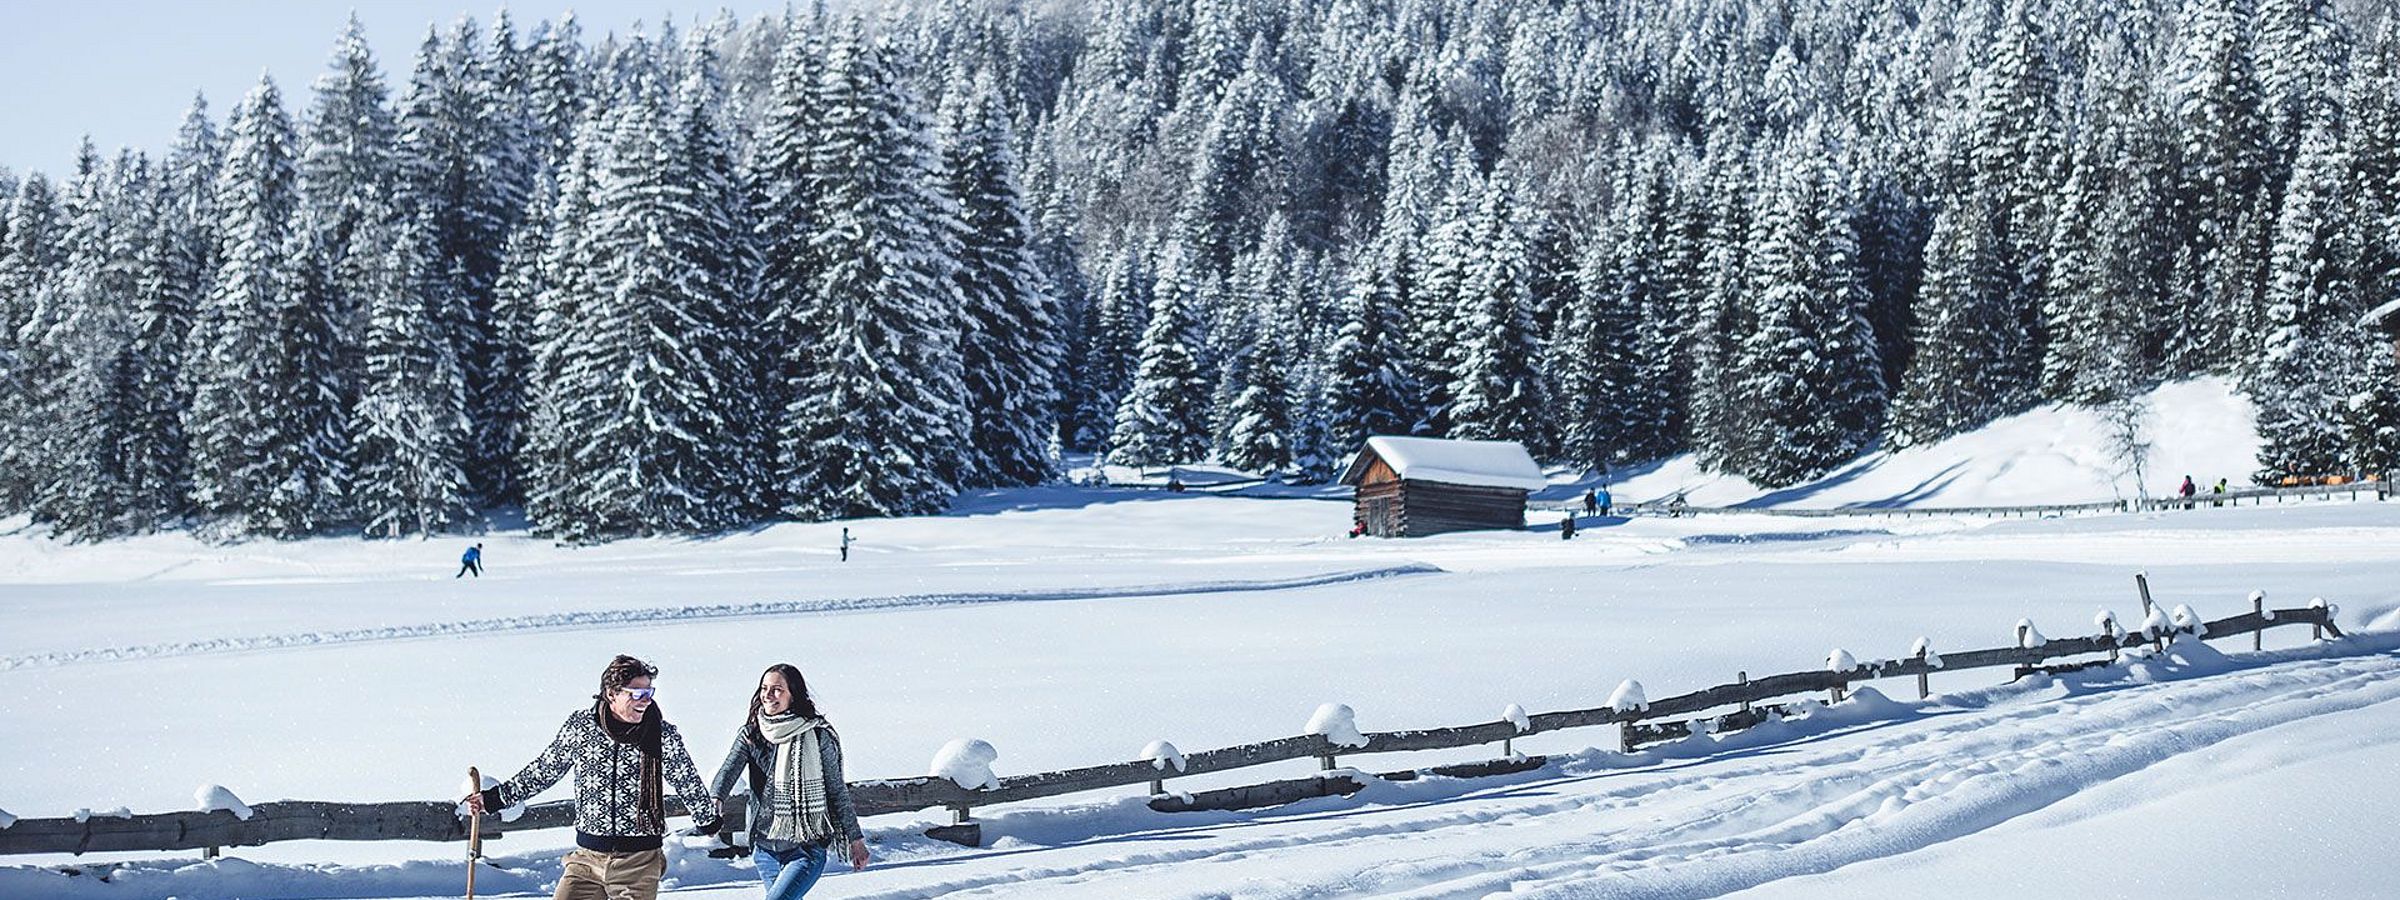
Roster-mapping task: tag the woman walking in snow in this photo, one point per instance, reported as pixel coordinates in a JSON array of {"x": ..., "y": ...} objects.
[{"x": 799, "y": 805}]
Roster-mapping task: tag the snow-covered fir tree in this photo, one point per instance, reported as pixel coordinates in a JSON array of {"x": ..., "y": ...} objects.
[
  {"x": 266, "y": 418},
  {"x": 1495, "y": 391},
  {"x": 408, "y": 429},
  {"x": 1810, "y": 367},
  {"x": 1008, "y": 349},
  {"x": 1163, "y": 417},
  {"x": 2302, "y": 384},
  {"x": 875, "y": 422},
  {"x": 29, "y": 265}
]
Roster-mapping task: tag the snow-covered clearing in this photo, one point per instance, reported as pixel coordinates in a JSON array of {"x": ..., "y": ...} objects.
[{"x": 1074, "y": 626}]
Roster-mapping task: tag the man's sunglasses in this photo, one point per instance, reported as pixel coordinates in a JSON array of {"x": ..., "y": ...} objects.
[{"x": 639, "y": 693}]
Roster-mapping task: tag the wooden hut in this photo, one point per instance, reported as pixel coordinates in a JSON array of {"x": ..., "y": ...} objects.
[
  {"x": 2385, "y": 319},
  {"x": 1412, "y": 487}
]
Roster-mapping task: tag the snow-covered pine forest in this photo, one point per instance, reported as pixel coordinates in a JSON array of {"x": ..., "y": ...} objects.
[{"x": 809, "y": 266}]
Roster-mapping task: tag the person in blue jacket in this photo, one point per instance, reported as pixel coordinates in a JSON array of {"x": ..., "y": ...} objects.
[{"x": 471, "y": 561}]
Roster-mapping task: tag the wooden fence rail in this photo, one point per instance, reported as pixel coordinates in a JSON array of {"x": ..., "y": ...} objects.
[
  {"x": 438, "y": 821},
  {"x": 2376, "y": 490}
]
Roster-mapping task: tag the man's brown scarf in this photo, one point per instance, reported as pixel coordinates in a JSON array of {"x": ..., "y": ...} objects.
[{"x": 649, "y": 735}]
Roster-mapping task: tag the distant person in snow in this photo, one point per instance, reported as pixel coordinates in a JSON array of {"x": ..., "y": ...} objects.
[
  {"x": 1607, "y": 502},
  {"x": 625, "y": 755},
  {"x": 799, "y": 804},
  {"x": 1591, "y": 502},
  {"x": 2186, "y": 491},
  {"x": 471, "y": 561},
  {"x": 1566, "y": 527},
  {"x": 845, "y": 544},
  {"x": 2217, "y": 494}
]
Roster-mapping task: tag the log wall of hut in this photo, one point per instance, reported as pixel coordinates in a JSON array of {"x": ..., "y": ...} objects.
[{"x": 1431, "y": 507}]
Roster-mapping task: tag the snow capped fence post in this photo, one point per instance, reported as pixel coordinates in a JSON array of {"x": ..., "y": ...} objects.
[
  {"x": 1338, "y": 725},
  {"x": 1515, "y": 716},
  {"x": 2107, "y": 623},
  {"x": 1840, "y": 662},
  {"x": 1743, "y": 677},
  {"x": 967, "y": 762},
  {"x": 2258, "y": 607},
  {"x": 2142, "y": 580},
  {"x": 1163, "y": 755},
  {"x": 1925, "y": 661},
  {"x": 1628, "y": 697},
  {"x": 2317, "y": 629}
]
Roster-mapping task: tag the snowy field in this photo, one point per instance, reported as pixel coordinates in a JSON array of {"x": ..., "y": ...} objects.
[{"x": 1072, "y": 626}]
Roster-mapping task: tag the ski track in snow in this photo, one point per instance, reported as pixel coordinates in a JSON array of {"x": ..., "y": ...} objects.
[
  {"x": 1882, "y": 780},
  {"x": 610, "y": 618}
]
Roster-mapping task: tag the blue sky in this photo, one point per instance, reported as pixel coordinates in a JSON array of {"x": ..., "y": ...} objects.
[{"x": 123, "y": 71}]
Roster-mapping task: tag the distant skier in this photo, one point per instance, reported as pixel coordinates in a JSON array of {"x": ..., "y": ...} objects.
[
  {"x": 845, "y": 544},
  {"x": 625, "y": 756},
  {"x": 1607, "y": 503},
  {"x": 1591, "y": 502},
  {"x": 2217, "y": 493},
  {"x": 471, "y": 561},
  {"x": 1566, "y": 528},
  {"x": 2186, "y": 491}
]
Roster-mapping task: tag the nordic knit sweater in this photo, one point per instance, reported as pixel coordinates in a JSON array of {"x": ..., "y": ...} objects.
[
  {"x": 757, "y": 758},
  {"x": 608, "y": 780}
]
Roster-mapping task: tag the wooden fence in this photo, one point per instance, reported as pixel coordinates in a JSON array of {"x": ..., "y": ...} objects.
[
  {"x": 2262, "y": 496},
  {"x": 1659, "y": 720}
]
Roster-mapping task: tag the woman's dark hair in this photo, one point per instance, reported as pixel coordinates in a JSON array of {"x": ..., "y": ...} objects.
[
  {"x": 802, "y": 703},
  {"x": 622, "y": 671}
]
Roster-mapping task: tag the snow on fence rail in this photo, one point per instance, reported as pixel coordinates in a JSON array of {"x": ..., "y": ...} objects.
[
  {"x": 1642, "y": 723},
  {"x": 2378, "y": 490}
]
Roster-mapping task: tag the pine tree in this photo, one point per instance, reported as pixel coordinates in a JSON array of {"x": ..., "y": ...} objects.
[
  {"x": 1367, "y": 386},
  {"x": 1969, "y": 367},
  {"x": 1808, "y": 376},
  {"x": 266, "y": 420},
  {"x": 2222, "y": 196},
  {"x": 348, "y": 165},
  {"x": 1496, "y": 392},
  {"x": 1116, "y": 318},
  {"x": 28, "y": 267},
  {"x": 2302, "y": 387},
  {"x": 1007, "y": 349},
  {"x": 408, "y": 430},
  {"x": 874, "y": 425},
  {"x": 1163, "y": 417},
  {"x": 75, "y": 350},
  {"x": 1259, "y": 437}
]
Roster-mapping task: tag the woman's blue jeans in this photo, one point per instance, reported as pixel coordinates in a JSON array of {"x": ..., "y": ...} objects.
[{"x": 789, "y": 873}]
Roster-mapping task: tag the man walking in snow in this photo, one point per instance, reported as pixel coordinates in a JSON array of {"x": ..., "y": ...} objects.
[
  {"x": 2186, "y": 491},
  {"x": 845, "y": 545},
  {"x": 471, "y": 561},
  {"x": 1591, "y": 502},
  {"x": 1566, "y": 528},
  {"x": 624, "y": 755}
]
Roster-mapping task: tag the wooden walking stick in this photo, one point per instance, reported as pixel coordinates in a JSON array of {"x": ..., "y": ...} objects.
[{"x": 474, "y": 831}]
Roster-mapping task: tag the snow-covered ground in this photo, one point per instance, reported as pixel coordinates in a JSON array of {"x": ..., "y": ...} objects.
[{"x": 1074, "y": 626}]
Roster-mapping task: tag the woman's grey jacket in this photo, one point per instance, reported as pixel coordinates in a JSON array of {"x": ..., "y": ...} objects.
[{"x": 757, "y": 758}]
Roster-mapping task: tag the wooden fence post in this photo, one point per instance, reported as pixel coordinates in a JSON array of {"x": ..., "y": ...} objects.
[
  {"x": 1924, "y": 689},
  {"x": 1743, "y": 677},
  {"x": 2142, "y": 580},
  {"x": 2258, "y": 607}
]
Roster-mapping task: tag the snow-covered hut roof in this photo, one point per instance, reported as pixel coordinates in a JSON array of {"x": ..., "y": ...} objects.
[
  {"x": 1502, "y": 464},
  {"x": 2378, "y": 314}
]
